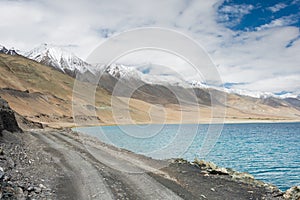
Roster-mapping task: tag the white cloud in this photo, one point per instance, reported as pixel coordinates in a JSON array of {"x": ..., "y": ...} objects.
[
  {"x": 275, "y": 84},
  {"x": 283, "y": 21},
  {"x": 277, "y": 7},
  {"x": 258, "y": 58},
  {"x": 233, "y": 14}
]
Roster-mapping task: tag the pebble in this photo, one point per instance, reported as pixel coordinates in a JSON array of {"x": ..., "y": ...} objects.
[
  {"x": 1, "y": 172},
  {"x": 212, "y": 189},
  {"x": 19, "y": 194},
  {"x": 6, "y": 178},
  {"x": 30, "y": 188},
  {"x": 37, "y": 189},
  {"x": 42, "y": 186}
]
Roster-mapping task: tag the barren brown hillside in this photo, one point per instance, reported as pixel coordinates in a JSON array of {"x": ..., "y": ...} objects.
[{"x": 43, "y": 94}]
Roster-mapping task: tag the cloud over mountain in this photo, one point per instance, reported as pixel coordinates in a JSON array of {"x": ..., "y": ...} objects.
[{"x": 259, "y": 51}]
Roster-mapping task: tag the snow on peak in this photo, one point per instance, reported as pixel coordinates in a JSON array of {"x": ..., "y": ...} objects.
[
  {"x": 65, "y": 61},
  {"x": 243, "y": 92},
  {"x": 57, "y": 57},
  {"x": 122, "y": 71},
  {"x": 255, "y": 94},
  {"x": 198, "y": 84},
  {"x": 3, "y": 49},
  {"x": 126, "y": 72},
  {"x": 10, "y": 51}
]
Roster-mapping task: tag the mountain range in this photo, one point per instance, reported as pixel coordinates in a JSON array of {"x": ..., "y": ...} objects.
[
  {"x": 67, "y": 62},
  {"x": 143, "y": 89}
]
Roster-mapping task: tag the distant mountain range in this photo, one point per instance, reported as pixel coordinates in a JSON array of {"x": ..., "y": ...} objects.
[
  {"x": 44, "y": 93},
  {"x": 67, "y": 62}
]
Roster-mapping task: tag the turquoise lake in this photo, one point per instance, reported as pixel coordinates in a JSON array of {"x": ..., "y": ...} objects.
[{"x": 269, "y": 151}]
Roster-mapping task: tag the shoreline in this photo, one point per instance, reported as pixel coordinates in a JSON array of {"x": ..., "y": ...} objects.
[
  {"x": 203, "y": 167},
  {"x": 71, "y": 125},
  {"x": 191, "y": 161},
  {"x": 177, "y": 177}
]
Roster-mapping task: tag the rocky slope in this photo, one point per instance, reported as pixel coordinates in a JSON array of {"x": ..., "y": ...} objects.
[
  {"x": 17, "y": 178},
  {"x": 7, "y": 118}
]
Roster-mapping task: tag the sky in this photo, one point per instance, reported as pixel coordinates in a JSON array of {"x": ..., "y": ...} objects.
[{"x": 254, "y": 44}]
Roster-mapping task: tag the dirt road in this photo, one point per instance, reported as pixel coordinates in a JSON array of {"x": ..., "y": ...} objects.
[
  {"x": 99, "y": 173},
  {"x": 61, "y": 164}
]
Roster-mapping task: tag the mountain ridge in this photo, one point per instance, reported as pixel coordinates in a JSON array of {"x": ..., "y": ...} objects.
[
  {"x": 63, "y": 60},
  {"x": 43, "y": 94},
  {"x": 55, "y": 56}
]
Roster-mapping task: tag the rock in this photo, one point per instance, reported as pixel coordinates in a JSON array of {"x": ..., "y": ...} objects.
[
  {"x": 30, "y": 188},
  {"x": 205, "y": 165},
  {"x": 1, "y": 173},
  {"x": 271, "y": 188},
  {"x": 7, "y": 118},
  {"x": 37, "y": 189},
  {"x": 6, "y": 178},
  {"x": 42, "y": 186},
  {"x": 19, "y": 194},
  {"x": 243, "y": 176},
  {"x": 180, "y": 161},
  {"x": 293, "y": 193},
  {"x": 220, "y": 171},
  {"x": 211, "y": 167}
]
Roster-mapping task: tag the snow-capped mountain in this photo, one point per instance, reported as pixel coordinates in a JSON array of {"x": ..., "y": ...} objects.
[
  {"x": 59, "y": 58},
  {"x": 120, "y": 71},
  {"x": 249, "y": 93},
  {"x": 127, "y": 73},
  {"x": 11, "y": 51},
  {"x": 67, "y": 62}
]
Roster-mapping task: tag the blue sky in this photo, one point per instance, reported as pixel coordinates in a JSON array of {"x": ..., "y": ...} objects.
[
  {"x": 258, "y": 13},
  {"x": 254, "y": 44}
]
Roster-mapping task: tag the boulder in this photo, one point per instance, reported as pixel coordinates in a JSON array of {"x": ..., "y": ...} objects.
[
  {"x": 7, "y": 118},
  {"x": 211, "y": 167}
]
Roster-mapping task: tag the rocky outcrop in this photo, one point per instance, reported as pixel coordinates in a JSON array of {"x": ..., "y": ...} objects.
[
  {"x": 7, "y": 118},
  {"x": 209, "y": 168},
  {"x": 293, "y": 193},
  {"x": 243, "y": 177}
]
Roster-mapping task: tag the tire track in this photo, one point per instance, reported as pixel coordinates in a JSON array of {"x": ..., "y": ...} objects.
[
  {"x": 88, "y": 179},
  {"x": 132, "y": 185}
]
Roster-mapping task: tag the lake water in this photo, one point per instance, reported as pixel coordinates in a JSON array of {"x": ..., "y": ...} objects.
[{"x": 269, "y": 151}]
